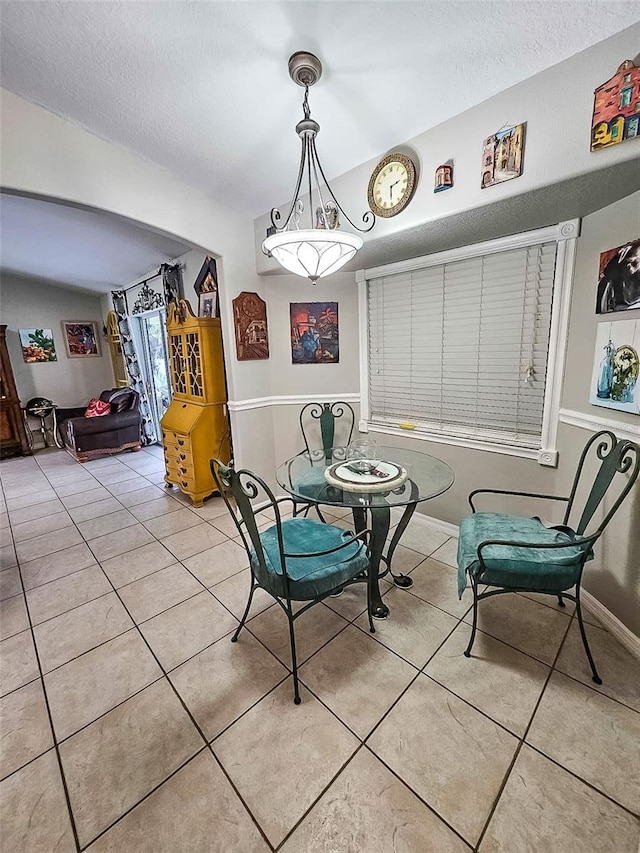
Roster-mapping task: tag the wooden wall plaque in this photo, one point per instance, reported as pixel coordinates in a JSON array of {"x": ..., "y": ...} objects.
[{"x": 250, "y": 322}]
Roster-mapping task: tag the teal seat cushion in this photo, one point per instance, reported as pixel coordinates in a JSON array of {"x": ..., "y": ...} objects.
[
  {"x": 512, "y": 566},
  {"x": 311, "y": 483},
  {"x": 309, "y": 577}
]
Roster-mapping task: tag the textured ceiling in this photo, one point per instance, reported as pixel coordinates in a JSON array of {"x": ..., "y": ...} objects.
[
  {"x": 71, "y": 247},
  {"x": 202, "y": 87}
]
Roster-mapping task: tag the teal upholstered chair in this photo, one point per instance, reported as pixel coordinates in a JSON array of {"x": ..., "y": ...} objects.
[
  {"x": 516, "y": 554},
  {"x": 323, "y": 426},
  {"x": 296, "y": 559}
]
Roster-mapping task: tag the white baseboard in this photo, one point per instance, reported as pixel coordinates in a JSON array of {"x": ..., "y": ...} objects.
[
  {"x": 436, "y": 524},
  {"x": 625, "y": 636}
]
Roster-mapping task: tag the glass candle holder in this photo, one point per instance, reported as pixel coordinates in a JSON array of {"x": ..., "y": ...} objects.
[{"x": 363, "y": 455}]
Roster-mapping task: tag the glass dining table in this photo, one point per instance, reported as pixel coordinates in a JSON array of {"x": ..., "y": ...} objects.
[{"x": 422, "y": 477}]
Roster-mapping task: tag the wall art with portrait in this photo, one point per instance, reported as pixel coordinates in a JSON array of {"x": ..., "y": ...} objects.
[
  {"x": 81, "y": 338},
  {"x": 314, "y": 332},
  {"x": 619, "y": 279},
  {"x": 616, "y": 365},
  {"x": 37, "y": 345}
]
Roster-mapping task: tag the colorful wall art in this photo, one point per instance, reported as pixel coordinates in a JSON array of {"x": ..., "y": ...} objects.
[
  {"x": 250, "y": 323},
  {"x": 616, "y": 117},
  {"x": 616, "y": 365},
  {"x": 502, "y": 155},
  {"x": 314, "y": 332},
  {"x": 619, "y": 279},
  {"x": 81, "y": 338},
  {"x": 37, "y": 345}
]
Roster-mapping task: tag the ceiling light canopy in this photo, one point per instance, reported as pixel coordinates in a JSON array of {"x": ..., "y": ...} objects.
[{"x": 320, "y": 249}]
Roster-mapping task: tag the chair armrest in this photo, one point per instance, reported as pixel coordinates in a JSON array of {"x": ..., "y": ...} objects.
[
  {"x": 508, "y": 492},
  {"x": 572, "y": 543},
  {"x": 64, "y": 414},
  {"x": 106, "y": 423},
  {"x": 332, "y": 550}
]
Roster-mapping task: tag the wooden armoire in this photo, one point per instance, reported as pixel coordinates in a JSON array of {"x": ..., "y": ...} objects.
[
  {"x": 195, "y": 427},
  {"x": 13, "y": 435}
]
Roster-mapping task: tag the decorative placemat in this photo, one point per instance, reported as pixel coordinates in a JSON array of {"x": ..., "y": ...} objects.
[{"x": 346, "y": 476}]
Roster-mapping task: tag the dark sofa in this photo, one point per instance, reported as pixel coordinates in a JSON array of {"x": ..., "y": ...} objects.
[{"x": 86, "y": 438}]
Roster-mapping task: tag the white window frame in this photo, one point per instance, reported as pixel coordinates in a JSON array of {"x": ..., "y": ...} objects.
[{"x": 565, "y": 234}]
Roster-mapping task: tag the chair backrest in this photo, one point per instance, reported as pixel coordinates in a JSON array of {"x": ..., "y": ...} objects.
[
  {"x": 325, "y": 416},
  {"x": 121, "y": 399},
  {"x": 619, "y": 461},
  {"x": 245, "y": 486}
]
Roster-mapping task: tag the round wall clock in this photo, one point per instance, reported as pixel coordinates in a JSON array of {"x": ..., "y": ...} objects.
[{"x": 392, "y": 184}]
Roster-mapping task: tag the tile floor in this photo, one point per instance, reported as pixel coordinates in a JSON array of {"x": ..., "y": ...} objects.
[{"x": 131, "y": 723}]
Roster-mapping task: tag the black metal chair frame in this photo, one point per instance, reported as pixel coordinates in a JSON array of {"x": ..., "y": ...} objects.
[
  {"x": 245, "y": 486},
  {"x": 616, "y": 457}
]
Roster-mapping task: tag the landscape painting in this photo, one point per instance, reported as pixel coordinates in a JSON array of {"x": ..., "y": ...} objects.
[{"x": 314, "y": 332}]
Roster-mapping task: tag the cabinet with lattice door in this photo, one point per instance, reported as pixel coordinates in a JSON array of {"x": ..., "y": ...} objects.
[{"x": 195, "y": 427}]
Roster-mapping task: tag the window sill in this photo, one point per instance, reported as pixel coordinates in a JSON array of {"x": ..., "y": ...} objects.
[{"x": 546, "y": 457}]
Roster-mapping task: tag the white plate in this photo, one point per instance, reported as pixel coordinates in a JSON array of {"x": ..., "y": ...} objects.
[{"x": 341, "y": 474}]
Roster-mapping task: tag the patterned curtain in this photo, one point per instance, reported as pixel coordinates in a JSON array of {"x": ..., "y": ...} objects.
[
  {"x": 172, "y": 283},
  {"x": 133, "y": 366}
]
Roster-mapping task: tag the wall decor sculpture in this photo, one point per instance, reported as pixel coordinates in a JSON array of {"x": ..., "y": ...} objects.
[
  {"x": 619, "y": 279},
  {"x": 314, "y": 332},
  {"x": 444, "y": 178},
  {"x": 502, "y": 155},
  {"x": 616, "y": 116},
  {"x": 616, "y": 365},
  {"x": 37, "y": 345},
  {"x": 250, "y": 323}
]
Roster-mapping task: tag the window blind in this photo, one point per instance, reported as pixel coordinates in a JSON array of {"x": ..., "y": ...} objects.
[{"x": 461, "y": 348}]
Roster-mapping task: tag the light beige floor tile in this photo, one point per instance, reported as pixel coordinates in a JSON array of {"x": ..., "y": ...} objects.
[
  {"x": 35, "y": 817},
  {"x": 157, "y": 592},
  {"x": 95, "y": 509},
  {"x": 437, "y": 583},
  {"x": 306, "y": 749},
  {"x": 18, "y": 664},
  {"x": 141, "y": 496},
  {"x": 58, "y": 565},
  {"x": 186, "y": 543},
  {"x": 106, "y": 524},
  {"x": 76, "y": 487},
  {"x": 98, "y": 493},
  {"x": 73, "y": 633},
  {"x": 362, "y": 692},
  {"x": 137, "y": 563},
  {"x": 174, "y": 522},
  {"x": 447, "y": 553},
  {"x": 10, "y": 583},
  {"x": 154, "y": 508},
  {"x": 368, "y": 809},
  {"x": 8, "y": 556},
  {"x": 226, "y": 524},
  {"x": 181, "y": 632},
  {"x": 25, "y": 727},
  {"x": 48, "y": 543},
  {"x": 456, "y": 762},
  {"x": 352, "y": 602},
  {"x": 213, "y": 508},
  {"x": 618, "y": 668},
  {"x": 184, "y": 814},
  {"x": 405, "y": 560},
  {"x": 130, "y": 484},
  {"x": 4, "y": 520},
  {"x": 234, "y": 594},
  {"x": 13, "y": 616},
  {"x": 41, "y": 510},
  {"x": 224, "y": 680},
  {"x": 66, "y": 593},
  {"x": 592, "y": 736},
  {"x": 157, "y": 477},
  {"x": 218, "y": 563},
  {"x": 41, "y": 496},
  {"x": 110, "y": 765},
  {"x": 112, "y": 478},
  {"x": 112, "y": 545},
  {"x": 525, "y": 624},
  {"x": 89, "y": 686},
  {"x": 413, "y": 629},
  {"x": 421, "y": 538},
  {"x": 546, "y": 809},
  {"x": 36, "y": 527},
  {"x": 497, "y": 679},
  {"x": 313, "y": 629}
]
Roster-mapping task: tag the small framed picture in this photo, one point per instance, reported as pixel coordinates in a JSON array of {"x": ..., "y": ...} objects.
[
  {"x": 81, "y": 338},
  {"x": 208, "y": 304}
]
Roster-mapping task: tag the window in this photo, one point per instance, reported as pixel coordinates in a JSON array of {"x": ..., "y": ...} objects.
[
  {"x": 457, "y": 344},
  {"x": 625, "y": 96}
]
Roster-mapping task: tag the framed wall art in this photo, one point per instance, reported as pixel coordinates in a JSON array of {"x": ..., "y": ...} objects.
[
  {"x": 616, "y": 117},
  {"x": 314, "y": 332},
  {"x": 616, "y": 365},
  {"x": 503, "y": 155},
  {"x": 37, "y": 345},
  {"x": 619, "y": 279},
  {"x": 250, "y": 324},
  {"x": 208, "y": 305},
  {"x": 81, "y": 338}
]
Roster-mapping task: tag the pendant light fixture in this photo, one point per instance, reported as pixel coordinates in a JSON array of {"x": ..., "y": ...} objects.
[{"x": 320, "y": 249}]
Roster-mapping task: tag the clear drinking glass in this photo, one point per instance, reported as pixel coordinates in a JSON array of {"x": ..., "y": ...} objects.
[{"x": 363, "y": 455}]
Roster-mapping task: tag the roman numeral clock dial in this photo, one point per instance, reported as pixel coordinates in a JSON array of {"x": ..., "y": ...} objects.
[{"x": 391, "y": 185}]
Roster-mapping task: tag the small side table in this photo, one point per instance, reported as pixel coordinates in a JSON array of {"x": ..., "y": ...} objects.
[{"x": 42, "y": 413}]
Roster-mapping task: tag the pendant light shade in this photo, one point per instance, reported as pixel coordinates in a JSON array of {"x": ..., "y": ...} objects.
[{"x": 321, "y": 250}]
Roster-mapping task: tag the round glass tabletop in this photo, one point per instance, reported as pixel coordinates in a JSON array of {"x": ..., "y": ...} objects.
[{"x": 422, "y": 477}]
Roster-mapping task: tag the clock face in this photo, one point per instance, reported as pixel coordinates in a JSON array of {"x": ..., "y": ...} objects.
[{"x": 391, "y": 185}]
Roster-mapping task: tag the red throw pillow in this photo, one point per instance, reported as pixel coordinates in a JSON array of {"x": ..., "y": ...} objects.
[{"x": 96, "y": 409}]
